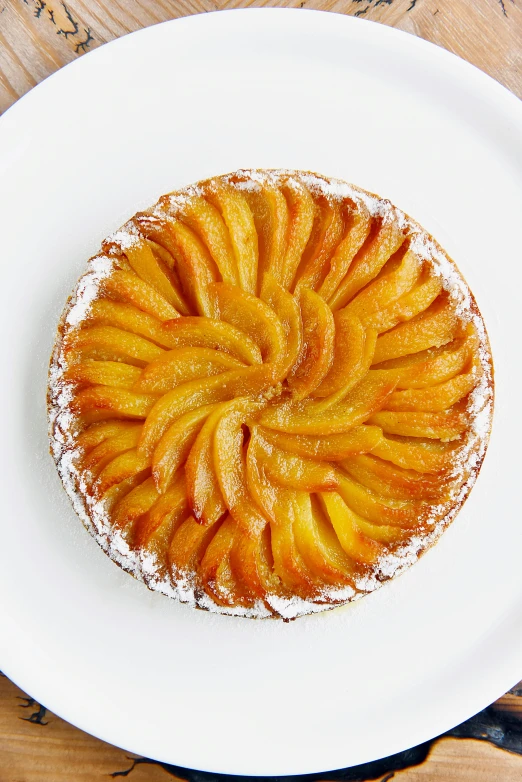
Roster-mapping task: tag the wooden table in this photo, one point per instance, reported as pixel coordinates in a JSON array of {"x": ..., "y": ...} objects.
[{"x": 36, "y": 38}]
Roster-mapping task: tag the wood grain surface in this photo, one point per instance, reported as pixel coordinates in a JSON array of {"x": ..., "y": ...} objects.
[{"x": 37, "y": 37}]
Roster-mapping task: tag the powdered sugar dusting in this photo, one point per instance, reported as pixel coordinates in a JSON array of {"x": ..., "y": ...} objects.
[
  {"x": 442, "y": 267},
  {"x": 126, "y": 238},
  {"x": 88, "y": 289},
  {"x": 143, "y": 564}
]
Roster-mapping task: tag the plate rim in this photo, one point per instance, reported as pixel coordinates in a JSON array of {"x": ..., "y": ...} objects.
[{"x": 441, "y": 51}]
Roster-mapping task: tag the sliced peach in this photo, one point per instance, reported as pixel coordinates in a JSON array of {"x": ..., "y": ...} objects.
[
  {"x": 120, "y": 490},
  {"x": 181, "y": 400},
  {"x": 126, "y": 465},
  {"x": 205, "y": 220},
  {"x": 301, "y": 210},
  {"x": 388, "y": 480},
  {"x": 344, "y": 521},
  {"x": 134, "y": 504},
  {"x": 351, "y": 364},
  {"x": 105, "y": 312},
  {"x": 182, "y": 256},
  {"x": 384, "y": 240},
  {"x": 166, "y": 259},
  {"x": 302, "y": 418},
  {"x": 290, "y": 470},
  {"x": 348, "y": 354},
  {"x": 154, "y": 530},
  {"x": 174, "y": 447},
  {"x": 97, "y": 433},
  {"x": 107, "y": 450},
  {"x": 289, "y": 565},
  {"x": 257, "y": 483},
  {"x": 364, "y": 390},
  {"x": 317, "y": 351},
  {"x": 103, "y": 373},
  {"x": 230, "y": 465},
  {"x": 407, "y": 514},
  {"x": 96, "y": 416},
  {"x": 433, "y": 328},
  {"x": 277, "y": 504},
  {"x": 387, "y": 288},
  {"x": 252, "y": 563},
  {"x": 281, "y": 507},
  {"x": 408, "y": 306},
  {"x": 250, "y": 314},
  {"x": 319, "y": 545},
  {"x": 270, "y": 212},
  {"x": 287, "y": 310},
  {"x": 239, "y": 220},
  {"x": 357, "y": 227},
  {"x": 194, "y": 265},
  {"x": 326, "y": 234},
  {"x": 434, "y": 399},
  {"x": 251, "y": 553},
  {"x": 331, "y": 448},
  {"x": 215, "y": 571},
  {"x": 182, "y": 365},
  {"x": 198, "y": 393},
  {"x": 203, "y": 488},
  {"x": 115, "y": 400},
  {"x": 430, "y": 367},
  {"x": 208, "y": 333},
  {"x": 130, "y": 288},
  {"x": 108, "y": 342},
  {"x": 446, "y": 426},
  {"x": 143, "y": 261},
  {"x": 382, "y": 533},
  {"x": 188, "y": 547},
  {"x": 425, "y": 456},
  {"x": 245, "y": 564}
]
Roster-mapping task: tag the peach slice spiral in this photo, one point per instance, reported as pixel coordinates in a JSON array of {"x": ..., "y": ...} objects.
[{"x": 269, "y": 393}]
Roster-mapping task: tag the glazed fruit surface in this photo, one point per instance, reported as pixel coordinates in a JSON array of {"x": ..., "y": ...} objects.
[{"x": 269, "y": 393}]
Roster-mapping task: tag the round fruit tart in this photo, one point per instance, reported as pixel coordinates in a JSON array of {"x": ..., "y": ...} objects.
[{"x": 269, "y": 393}]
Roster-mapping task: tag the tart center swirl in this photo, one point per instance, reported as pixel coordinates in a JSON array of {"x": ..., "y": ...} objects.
[{"x": 273, "y": 389}]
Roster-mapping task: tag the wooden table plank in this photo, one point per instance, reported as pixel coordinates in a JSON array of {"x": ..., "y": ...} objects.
[
  {"x": 465, "y": 760},
  {"x": 37, "y": 37}
]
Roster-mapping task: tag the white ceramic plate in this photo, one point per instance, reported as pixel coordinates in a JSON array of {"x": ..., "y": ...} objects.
[{"x": 107, "y": 135}]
